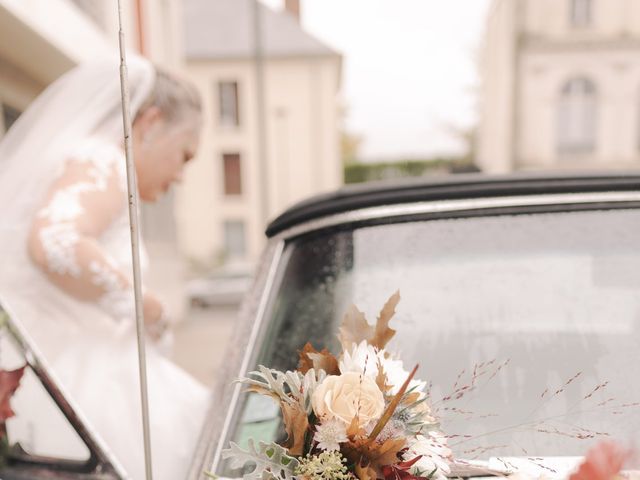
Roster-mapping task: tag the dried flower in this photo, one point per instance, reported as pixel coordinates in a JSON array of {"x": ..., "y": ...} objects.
[
  {"x": 326, "y": 466},
  {"x": 330, "y": 434},
  {"x": 433, "y": 451},
  {"x": 364, "y": 358}
]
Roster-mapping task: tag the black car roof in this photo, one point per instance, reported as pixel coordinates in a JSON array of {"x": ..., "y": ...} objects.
[{"x": 449, "y": 187}]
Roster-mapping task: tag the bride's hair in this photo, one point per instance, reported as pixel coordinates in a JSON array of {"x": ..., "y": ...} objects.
[{"x": 177, "y": 98}]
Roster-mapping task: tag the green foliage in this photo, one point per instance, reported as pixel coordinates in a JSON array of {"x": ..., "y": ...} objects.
[
  {"x": 288, "y": 387},
  {"x": 270, "y": 460},
  {"x": 367, "y": 172},
  {"x": 414, "y": 418}
]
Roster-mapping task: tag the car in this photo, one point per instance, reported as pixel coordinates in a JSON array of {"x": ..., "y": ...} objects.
[
  {"x": 218, "y": 289},
  {"x": 535, "y": 274}
]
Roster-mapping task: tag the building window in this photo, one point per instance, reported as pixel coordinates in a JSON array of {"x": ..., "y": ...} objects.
[
  {"x": 581, "y": 13},
  {"x": 9, "y": 115},
  {"x": 577, "y": 111},
  {"x": 234, "y": 239},
  {"x": 228, "y": 100},
  {"x": 232, "y": 174}
]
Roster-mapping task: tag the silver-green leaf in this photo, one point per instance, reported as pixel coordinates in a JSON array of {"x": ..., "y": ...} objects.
[{"x": 270, "y": 459}]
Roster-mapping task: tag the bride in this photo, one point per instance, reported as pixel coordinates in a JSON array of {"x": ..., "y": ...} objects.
[{"x": 66, "y": 252}]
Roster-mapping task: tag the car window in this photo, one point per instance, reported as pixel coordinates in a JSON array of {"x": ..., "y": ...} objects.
[{"x": 556, "y": 295}]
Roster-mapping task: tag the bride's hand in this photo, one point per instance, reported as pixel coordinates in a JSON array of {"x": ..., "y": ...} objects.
[{"x": 154, "y": 316}]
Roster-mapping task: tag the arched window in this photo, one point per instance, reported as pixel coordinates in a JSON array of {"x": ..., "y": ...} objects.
[
  {"x": 581, "y": 12},
  {"x": 577, "y": 112}
]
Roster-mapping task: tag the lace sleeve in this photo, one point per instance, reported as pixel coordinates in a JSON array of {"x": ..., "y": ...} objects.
[{"x": 82, "y": 202}]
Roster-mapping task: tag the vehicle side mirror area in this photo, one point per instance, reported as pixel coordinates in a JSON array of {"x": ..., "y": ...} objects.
[{"x": 42, "y": 435}]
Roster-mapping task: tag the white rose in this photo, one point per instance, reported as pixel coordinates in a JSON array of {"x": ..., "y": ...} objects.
[{"x": 347, "y": 395}]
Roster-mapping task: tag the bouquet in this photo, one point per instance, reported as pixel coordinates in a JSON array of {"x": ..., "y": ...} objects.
[
  {"x": 361, "y": 415},
  {"x": 358, "y": 415}
]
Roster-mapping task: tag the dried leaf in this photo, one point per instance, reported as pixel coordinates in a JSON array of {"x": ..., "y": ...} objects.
[
  {"x": 411, "y": 398},
  {"x": 353, "y": 430},
  {"x": 296, "y": 424},
  {"x": 387, "y": 453},
  {"x": 9, "y": 383},
  {"x": 381, "y": 379},
  {"x": 354, "y": 328},
  {"x": 310, "y": 358},
  {"x": 383, "y": 333},
  {"x": 365, "y": 472},
  {"x": 324, "y": 360},
  {"x": 374, "y": 455},
  {"x": 305, "y": 363},
  {"x": 401, "y": 470},
  {"x": 386, "y": 416}
]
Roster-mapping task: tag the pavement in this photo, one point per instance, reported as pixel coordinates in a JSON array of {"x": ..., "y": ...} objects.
[
  {"x": 201, "y": 339},
  {"x": 201, "y": 334}
]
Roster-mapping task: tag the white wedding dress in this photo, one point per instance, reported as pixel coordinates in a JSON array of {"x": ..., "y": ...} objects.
[{"x": 83, "y": 322}]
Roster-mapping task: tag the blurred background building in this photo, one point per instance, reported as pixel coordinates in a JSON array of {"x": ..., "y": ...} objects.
[
  {"x": 560, "y": 86},
  {"x": 239, "y": 179},
  {"x": 42, "y": 39},
  {"x": 270, "y": 137}
]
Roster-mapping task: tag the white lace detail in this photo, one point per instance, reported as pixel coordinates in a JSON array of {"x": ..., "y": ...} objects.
[
  {"x": 102, "y": 158},
  {"x": 118, "y": 300},
  {"x": 89, "y": 192},
  {"x": 104, "y": 276},
  {"x": 65, "y": 204},
  {"x": 59, "y": 241},
  {"x": 118, "y": 304}
]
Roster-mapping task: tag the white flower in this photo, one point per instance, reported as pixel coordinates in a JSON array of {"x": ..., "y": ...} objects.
[
  {"x": 397, "y": 375},
  {"x": 363, "y": 358},
  {"x": 434, "y": 451},
  {"x": 330, "y": 434},
  {"x": 393, "y": 429},
  {"x": 348, "y": 396},
  {"x": 358, "y": 357}
]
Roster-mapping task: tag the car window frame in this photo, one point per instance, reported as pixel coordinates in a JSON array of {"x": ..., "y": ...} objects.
[{"x": 101, "y": 462}]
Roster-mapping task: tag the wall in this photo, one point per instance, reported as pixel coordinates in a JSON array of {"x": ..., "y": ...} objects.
[
  {"x": 529, "y": 54},
  {"x": 302, "y": 141},
  {"x": 616, "y": 74},
  {"x": 497, "y": 69}
]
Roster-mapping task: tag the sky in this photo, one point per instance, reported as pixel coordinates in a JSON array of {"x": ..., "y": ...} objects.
[{"x": 410, "y": 77}]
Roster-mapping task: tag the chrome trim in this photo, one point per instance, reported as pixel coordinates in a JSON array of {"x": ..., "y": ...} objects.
[
  {"x": 438, "y": 206},
  {"x": 273, "y": 269}
]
